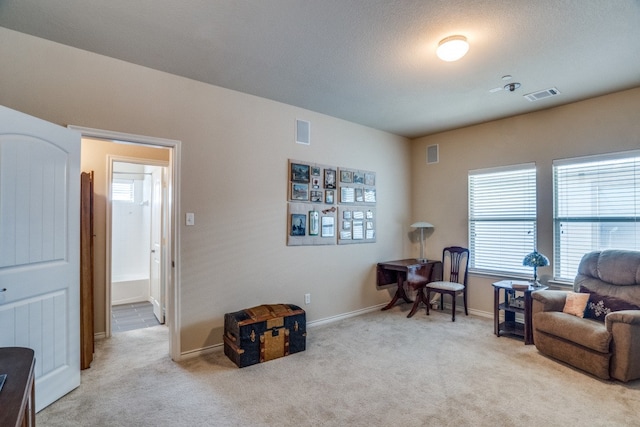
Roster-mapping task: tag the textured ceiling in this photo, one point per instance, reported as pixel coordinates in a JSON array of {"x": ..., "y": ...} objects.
[{"x": 367, "y": 61}]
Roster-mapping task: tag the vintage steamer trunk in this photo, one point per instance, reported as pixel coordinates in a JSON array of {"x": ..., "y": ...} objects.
[{"x": 265, "y": 332}]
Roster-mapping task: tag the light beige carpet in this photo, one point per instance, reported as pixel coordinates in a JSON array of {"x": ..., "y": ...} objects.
[{"x": 378, "y": 369}]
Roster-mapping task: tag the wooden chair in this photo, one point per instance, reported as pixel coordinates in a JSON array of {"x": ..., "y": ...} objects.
[{"x": 455, "y": 263}]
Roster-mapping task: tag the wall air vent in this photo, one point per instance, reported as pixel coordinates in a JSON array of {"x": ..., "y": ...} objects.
[
  {"x": 542, "y": 94},
  {"x": 433, "y": 155}
]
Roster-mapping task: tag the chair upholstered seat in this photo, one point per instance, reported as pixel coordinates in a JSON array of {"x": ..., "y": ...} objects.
[{"x": 446, "y": 286}]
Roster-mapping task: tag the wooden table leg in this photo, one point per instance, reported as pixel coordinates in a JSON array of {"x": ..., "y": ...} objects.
[
  {"x": 400, "y": 293},
  {"x": 419, "y": 298},
  {"x": 496, "y": 312},
  {"x": 528, "y": 330}
]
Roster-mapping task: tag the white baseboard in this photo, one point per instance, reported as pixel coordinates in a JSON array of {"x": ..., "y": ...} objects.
[
  {"x": 480, "y": 313},
  {"x": 199, "y": 352},
  {"x": 342, "y": 316},
  {"x": 218, "y": 347}
]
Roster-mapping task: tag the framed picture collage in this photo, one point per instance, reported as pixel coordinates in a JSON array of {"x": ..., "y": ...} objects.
[{"x": 329, "y": 205}]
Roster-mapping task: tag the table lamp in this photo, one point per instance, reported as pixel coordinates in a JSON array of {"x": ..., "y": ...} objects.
[
  {"x": 535, "y": 259},
  {"x": 422, "y": 226}
]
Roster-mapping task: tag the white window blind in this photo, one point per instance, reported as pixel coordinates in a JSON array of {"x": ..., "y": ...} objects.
[
  {"x": 502, "y": 218},
  {"x": 122, "y": 190},
  {"x": 596, "y": 207}
]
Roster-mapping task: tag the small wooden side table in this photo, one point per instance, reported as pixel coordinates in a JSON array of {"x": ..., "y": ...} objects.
[
  {"x": 17, "y": 397},
  {"x": 512, "y": 305}
]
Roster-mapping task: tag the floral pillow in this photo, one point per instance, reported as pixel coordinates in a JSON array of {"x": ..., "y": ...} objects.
[{"x": 601, "y": 305}]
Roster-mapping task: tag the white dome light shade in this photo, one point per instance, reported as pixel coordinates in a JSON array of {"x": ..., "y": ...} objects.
[{"x": 452, "y": 48}]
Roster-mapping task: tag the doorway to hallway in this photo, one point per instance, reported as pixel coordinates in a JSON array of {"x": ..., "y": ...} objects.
[{"x": 100, "y": 149}]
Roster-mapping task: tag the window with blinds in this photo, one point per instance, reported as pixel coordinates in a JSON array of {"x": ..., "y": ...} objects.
[
  {"x": 502, "y": 218},
  {"x": 122, "y": 190},
  {"x": 596, "y": 207}
]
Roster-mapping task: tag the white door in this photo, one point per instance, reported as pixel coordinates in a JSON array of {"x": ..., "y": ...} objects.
[
  {"x": 40, "y": 248},
  {"x": 157, "y": 247}
]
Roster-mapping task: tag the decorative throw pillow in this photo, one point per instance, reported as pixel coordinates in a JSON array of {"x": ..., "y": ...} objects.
[
  {"x": 575, "y": 303},
  {"x": 601, "y": 305}
]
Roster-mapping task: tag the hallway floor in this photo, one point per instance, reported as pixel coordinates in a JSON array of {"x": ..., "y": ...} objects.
[{"x": 127, "y": 317}]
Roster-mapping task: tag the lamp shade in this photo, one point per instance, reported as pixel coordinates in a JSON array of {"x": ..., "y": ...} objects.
[
  {"x": 422, "y": 224},
  {"x": 535, "y": 259}
]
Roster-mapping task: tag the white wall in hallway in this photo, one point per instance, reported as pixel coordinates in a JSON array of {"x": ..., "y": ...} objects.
[{"x": 131, "y": 237}]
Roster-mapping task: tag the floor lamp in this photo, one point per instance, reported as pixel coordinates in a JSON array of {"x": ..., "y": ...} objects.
[{"x": 422, "y": 226}]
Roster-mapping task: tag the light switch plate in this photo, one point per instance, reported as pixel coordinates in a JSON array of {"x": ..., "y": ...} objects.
[{"x": 190, "y": 218}]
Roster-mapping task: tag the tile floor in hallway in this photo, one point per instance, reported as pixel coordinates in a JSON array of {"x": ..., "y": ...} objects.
[{"x": 127, "y": 317}]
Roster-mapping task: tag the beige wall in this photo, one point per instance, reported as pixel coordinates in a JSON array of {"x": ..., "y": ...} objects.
[
  {"x": 234, "y": 157},
  {"x": 234, "y": 178},
  {"x": 94, "y": 158},
  {"x": 600, "y": 125}
]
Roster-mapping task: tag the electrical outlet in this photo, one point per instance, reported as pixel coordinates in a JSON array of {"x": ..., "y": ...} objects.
[{"x": 307, "y": 298}]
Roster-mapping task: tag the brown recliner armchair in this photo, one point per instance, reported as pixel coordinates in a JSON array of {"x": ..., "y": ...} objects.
[{"x": 606, "y": 342}]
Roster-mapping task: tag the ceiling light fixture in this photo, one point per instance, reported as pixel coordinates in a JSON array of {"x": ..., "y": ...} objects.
[{"x": 452, "y": 48}]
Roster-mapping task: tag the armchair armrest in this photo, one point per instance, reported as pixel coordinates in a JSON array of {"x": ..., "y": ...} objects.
[
  {"x": 548, "y": 300},
  {"x": 630, "y": 317},
  {"x": 624, "y": 327}
]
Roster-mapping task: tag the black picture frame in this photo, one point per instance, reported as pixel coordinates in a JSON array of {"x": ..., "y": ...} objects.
[
  {"x": 298, "y": 225},
  {"x": 300, "y": 172},
  {"x": 330, "y": 178}
]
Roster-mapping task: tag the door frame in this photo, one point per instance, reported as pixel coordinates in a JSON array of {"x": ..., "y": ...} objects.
[
  {"x": 173, "y": 306},
  {"x": 166, "y": 262}
]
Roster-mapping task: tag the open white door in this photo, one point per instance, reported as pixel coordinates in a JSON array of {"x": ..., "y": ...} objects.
[
  {"x": 40, "y": 248},
  {"x": 157, "y": 242}
]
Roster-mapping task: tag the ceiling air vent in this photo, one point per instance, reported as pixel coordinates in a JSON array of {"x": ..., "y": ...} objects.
[{"x": 542, "y": 94}]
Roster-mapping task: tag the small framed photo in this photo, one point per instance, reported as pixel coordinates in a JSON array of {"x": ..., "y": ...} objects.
[
  {"x": 369, "y": 178},
  {"x": 329, "y": 178},
  {"x": 369, "y": 215},
  {"x": 328, "y": 228},
  {"x": 315, "y": 170},
  {"x": 316, "y": 196},
  {"x": 328, "y": 197},
  {"x": 359, "y": 195},
  {"x": 370, "y": 195},
  {"x": 358, "y": 177},
  {"x": 347, "y": 195},
  {"x": 299, "y": 191},
  {"x": 346, "y": 176},
  {"x": 346, "y": 225},
  {"x": 315, "y": 182},
  {"x": 299, "y": 172},
  {"x": 298, "y": 225},
  {"x": 346, "y": 215}
]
